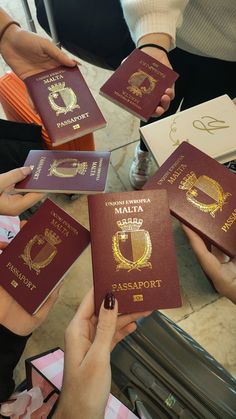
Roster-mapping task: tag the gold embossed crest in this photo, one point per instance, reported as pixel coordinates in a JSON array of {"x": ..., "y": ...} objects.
[
  {"x": 41, "y": 250},
  {"x": 210, "y": 187},
  {"x": 67, "y": 168},
  {"x": 132, "y": 246},
  {"x": 62, "y": 99},
  {"x": 141, "y": 83}
]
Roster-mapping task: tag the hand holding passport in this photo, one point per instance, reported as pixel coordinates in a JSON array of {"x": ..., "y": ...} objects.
[{"x": 139, "y": 84}]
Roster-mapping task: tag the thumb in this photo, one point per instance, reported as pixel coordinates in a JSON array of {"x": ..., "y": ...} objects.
[
  {"x": 13, "y": 176},
  {"x": 106, "y": 327}
]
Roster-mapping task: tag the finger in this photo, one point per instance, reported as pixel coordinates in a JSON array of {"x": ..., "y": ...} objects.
[
  {"x": 163, "y": 106},
  {"x": 125, "y": 319},
  {"x": 127, "y": 330},
  {"x": 3, "y": 245},
  {"x": 165, "y": 102},
  {"x": 86, "y": 308},
  {"x": 195, "y": 240},
  {"x": 57, "y": 54},
  {"x": 77, "y": 331},
  {"x": 106, "y": 329},
  {"x": 170, "y": 92},
  {"x": 208, "y": 261},
  {"x": 222, "y": 257},
  {"x": 13, "y": 176},
  {"x": 22, "y": 223}
]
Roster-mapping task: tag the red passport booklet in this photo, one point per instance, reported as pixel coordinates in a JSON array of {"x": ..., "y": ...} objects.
[
  {"x": 66, "y": 171},
  {"x": 201, "y": 194},
  {"x": 133, "y": 252},
  {"x": 64, "y": 103},
  {"x": 138, "y": 84},
  {"x": 39, "y": 256}
]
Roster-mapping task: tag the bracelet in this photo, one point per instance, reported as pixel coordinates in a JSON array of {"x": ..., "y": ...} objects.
[
  {"x": 152, "y": 46},
  {"x": 12, "y": 22}
]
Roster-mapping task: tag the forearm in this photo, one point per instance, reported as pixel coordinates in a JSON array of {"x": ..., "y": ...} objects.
[
  {"x": 5, "y": 30},
  {"x": 4, "y": 18},
  {"x": 156, "y": 38},
  {"x": 159, "y": 21}
]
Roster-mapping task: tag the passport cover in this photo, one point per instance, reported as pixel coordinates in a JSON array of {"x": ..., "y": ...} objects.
[
  {"x": 64, "y": 103},
  {"x": 66, "y": 171},
  {"x": 138, "y": 84},
  {"x": 133, "y": 252},
  {"x": 37, "y": 259},
  {"x": 14, "y": 99},
  {"x": 210, "y": 126},
  {"x": 201, "y": 194}
]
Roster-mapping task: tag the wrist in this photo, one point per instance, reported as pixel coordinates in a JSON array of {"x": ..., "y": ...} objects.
[
  {"x": 156, "y": 46},
  {"x": 8, "y": 30},
  {"x": 162, "y": 39}
]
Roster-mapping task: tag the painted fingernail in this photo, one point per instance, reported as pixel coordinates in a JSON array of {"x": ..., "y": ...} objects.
[{"x": 109, "y": 301}]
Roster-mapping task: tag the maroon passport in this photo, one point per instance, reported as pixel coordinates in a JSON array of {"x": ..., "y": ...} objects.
[
  {"x": 66, "y": 171},
  {"x": 64, "y": 103},
  {"x": 39, "y": 256},
  {"x": 133, "y": 252},
  {"x": 138, "y": 84},
  {"x": 201, "y": 194}
]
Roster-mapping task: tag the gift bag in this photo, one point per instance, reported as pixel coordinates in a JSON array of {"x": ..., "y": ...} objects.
[{"x": 46, "y": 372}]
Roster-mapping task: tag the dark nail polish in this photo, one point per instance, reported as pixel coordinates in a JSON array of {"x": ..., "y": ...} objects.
[{"x": 109, "y": 301}]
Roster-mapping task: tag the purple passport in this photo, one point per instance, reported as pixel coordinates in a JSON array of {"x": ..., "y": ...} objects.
[
  {"x": 37, "y": 259},
  {"x": 64, "y": 103},
  {"x": 201, "y": 194},
  {"x": 138, "y": 84},
  {"x": 133, "y": 253},
  {"x": 66, "y": 171}
]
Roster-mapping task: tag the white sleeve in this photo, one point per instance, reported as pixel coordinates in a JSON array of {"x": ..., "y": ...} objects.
[{"x": 153, "y": 16}]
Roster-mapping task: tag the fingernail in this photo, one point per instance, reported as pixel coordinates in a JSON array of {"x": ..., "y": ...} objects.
[
  {"x": 109, "y": 301},
  {"x": 26, "y": 170}
]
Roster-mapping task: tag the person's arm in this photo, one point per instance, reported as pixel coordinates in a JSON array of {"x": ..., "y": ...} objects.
[
  {"x": 87, "y": 371},
  {"x": 155, "y": 22},
  {"x": 26, "y": 52},
  {"x": 218, "y": 266}
]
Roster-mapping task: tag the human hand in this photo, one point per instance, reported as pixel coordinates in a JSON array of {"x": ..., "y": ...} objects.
[
  {"x": 169, "y": 94},
  {"x": 14, "y": 204},
  {"x": 28, "y": 53},
  {"x": 163, "y": 40},
  {"x": 16, "y": 319},
  {"x": 87, "y": 372},
  {"x": 218, "y": 266}
]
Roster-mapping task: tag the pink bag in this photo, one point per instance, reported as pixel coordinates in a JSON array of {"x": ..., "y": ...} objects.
[{"x": 46, "y": 372}]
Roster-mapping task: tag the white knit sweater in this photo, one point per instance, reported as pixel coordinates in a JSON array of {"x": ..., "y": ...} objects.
[{"x": 202, "y": 27}]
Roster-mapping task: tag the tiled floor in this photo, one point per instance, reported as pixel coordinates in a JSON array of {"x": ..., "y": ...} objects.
[{"x": 207, "y": 317}]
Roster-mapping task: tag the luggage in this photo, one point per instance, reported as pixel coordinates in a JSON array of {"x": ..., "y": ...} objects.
[{"x": 164, "y": 373}]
